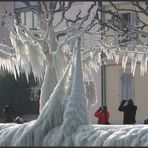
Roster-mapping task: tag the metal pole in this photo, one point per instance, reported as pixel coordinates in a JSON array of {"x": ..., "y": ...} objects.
[{"x": 103, "y": 70}]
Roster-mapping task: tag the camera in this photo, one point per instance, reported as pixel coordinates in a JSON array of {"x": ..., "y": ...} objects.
[{"x": 123, "y": 101}]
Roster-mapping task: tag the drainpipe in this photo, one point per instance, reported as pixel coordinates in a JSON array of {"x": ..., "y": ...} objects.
[{"x": 103, "y": 68}]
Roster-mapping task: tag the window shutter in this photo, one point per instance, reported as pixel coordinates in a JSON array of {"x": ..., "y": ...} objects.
[
  {"x": 22, "y": 15},
  {"x": 123, "y": 86},
  {"x": 127, "y": 86},
  {"x": 35, "y": 25},
  {"x": 29, "y": 19}
]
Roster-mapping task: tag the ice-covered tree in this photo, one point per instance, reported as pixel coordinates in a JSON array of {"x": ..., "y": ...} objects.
[
  {"x": 62, "y": 65},
  {"x": 42, "y": 52}
]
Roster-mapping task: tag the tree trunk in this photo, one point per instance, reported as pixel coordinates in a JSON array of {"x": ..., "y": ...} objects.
[
  {"x": 50, "y": 78},
  {"x": 48, "y": 85}
]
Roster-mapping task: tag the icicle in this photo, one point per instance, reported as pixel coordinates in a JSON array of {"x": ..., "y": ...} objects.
[
  {"x": 27, "y": 69},
  {"x": 16, "y": 43},
  {"x": 124, "y": 60},
  {"x": 13, "y": 68},
  {"x": 36, "y": 58},
  {"x": 95, "y": 62},
  {"x": 143, "y": 65},
  {"x": 96, "y": 66},
  {"x": 109, "y": 54},
  {"x": 116, "y": 55},
  {"x": 22, "y": 53},
  {"x": 7, "y": 62},
  {"x": 16, "y": 66},
  {"x": 99, "y": 58},
  {"x": 90, "y": 92},
  {"x": 133, "y": 63}
]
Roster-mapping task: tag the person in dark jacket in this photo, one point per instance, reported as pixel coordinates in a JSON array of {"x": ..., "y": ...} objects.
[
  {"x": 129, "y": 109},
  {"x": 8, "y": 113}
]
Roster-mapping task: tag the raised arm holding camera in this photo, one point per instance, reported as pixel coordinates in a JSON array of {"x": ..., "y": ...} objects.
[{"x": 129, "y": 109}]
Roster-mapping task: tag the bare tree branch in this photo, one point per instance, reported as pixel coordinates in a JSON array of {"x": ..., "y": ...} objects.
[
  {"x": 137, "y": 4},
  {"x": 33, "y": 8},
  {"x": 88, "y": 13},
  {"x": 122, "y": 9},
  {"x": 65, "y": 9}
]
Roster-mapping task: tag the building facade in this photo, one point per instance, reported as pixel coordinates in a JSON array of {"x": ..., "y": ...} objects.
[{"x": 122, "y": 84}]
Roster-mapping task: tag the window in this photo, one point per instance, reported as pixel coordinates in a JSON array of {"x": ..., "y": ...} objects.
[
  {"x": 127, "y": 21},
  {"x": 130, "y": 19},
  {"x": 28, "y": 18},
  {"x": 20, "y": 5},
  {"x": 126, "y": 17},
  {"x": 127, "y": 86}
]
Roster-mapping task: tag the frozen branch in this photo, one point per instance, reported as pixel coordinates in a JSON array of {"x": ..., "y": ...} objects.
[{"x": 5, "y": 49}]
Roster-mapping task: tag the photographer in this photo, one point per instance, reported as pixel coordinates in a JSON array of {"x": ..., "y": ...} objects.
[
  {"x": 8, "y": 113},
  {"x": 103, "y": 115},
  {"x": 129, "y": 109}
]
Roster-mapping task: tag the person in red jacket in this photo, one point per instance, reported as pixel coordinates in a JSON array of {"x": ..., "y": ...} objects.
[{"x": 103, "y": 115}]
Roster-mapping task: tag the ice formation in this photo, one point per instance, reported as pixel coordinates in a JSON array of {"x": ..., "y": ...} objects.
[
  {"x": 143, "y": 65},
  {"x": 64, "y": 120}
]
